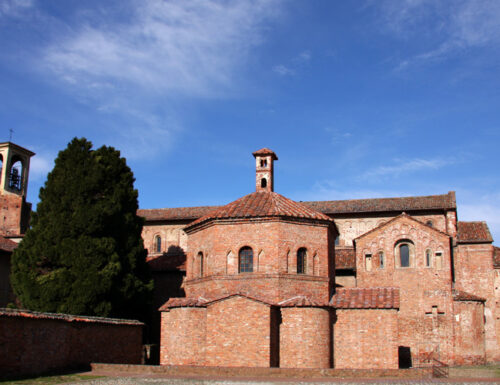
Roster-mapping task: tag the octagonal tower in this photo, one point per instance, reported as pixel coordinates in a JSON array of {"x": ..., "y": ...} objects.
[{"x": 263, "y": 245}]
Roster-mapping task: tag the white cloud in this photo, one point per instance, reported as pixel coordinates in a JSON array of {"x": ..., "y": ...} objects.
[
  {"x": 477, "y": 207},
  {"x": 190, "y": 47},
  {"x": 413, "y": 165},
  {"x": 14, "y": 8},
  {"x": 283, "y": 70},
  {"x": 451, "y": 27},
  {"x": 40, "y": 165}
]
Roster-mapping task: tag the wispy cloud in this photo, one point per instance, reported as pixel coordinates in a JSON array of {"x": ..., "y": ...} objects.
[
  {"x": 190, "y": 47},
  {"x": 295, "y": 64},
  {"x": 13, "y": 8},
  {"x": 450, "y": 28},
  {"x": 477, "y": 207},
  {"x": 401, "y": 166}
]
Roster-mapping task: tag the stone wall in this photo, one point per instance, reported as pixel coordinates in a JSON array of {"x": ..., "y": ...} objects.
[
  {"x": 366, "y": 339},
  {"x": 33, "y": 343}
]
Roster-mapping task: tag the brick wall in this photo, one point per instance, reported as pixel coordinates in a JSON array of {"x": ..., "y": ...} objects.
[
  {"x": 305, "y": 338},
  {"x": 474, "y": 274},
  {"x": 426, "y": 313},
  {"x": 274, "y": 245},
  {"x": 12, "y": 214},
  {"x": 366, "y": 339},
  {"x": 34, "y": 343},
  {"x": 469, "y": 333},
  {"x": 183, "y": 336},
  {"x": 238, "y": 333}
]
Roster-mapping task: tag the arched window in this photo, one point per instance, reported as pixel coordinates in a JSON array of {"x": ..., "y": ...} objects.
[
  {"x": 246, "y": 260},
  {"x": 263, "y": 182},
  {"x": 381, "y": 258},
  {"x": 429, "y": 223},
  {"x": 158, "y": 244},
  {"x": 16, "y": 174},
  {"x": 368, "y": 262},
  {"x": 263, "y": 163},
  {"x": 301, "y": 260},
  {"x": 428, "y": 258},
  {"x": 404, "y": 253},
  {"x": 200, "y": 261}
]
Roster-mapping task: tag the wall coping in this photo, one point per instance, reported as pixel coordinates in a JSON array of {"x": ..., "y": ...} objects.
[{"x": 22, "y": 313}]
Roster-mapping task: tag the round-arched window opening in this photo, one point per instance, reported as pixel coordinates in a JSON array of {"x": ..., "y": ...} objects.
[
  {"x": 301, "y": 260},
  {"x": 429, "y": 223},
  {"x": 16, "y": 174},
  {"x": 263, "y": 183},
  {"x": 158, "y": 244},
  {"x": 245, "y": 259},
  {"x": 404, "y": 251}
]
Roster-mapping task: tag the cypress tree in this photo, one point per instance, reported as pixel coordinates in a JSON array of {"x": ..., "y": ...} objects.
[{"x": 84, "y": 253}]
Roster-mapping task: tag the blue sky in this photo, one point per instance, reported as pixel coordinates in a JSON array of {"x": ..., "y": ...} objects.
[{"x": 359, "y": 99}]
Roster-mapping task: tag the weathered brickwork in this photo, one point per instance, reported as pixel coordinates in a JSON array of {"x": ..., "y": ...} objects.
[
  {"x": 306, "y": 337},
  {"x": 469, "y": 332},
  {"x": 366, "y": 339},
  {"x": 183, "y": 336},
  {"x": 35, "y": 343}
]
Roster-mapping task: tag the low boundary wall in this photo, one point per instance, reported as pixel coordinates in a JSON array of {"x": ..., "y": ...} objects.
[
  {"x": 34, "y": 343},
  {"x": 240, "y": 372}
]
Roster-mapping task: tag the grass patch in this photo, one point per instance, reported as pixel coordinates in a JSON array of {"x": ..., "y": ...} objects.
[{"x": 52, "y": 379}]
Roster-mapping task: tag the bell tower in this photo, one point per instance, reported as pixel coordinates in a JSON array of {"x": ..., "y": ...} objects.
[
  {"x": 14, "y": 210},
  {"x": 264, "y": 169}
]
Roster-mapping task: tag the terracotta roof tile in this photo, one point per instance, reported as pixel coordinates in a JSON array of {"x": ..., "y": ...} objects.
[
  {"x": 301, "y": 301},
  {"x": 177, "y": 213},
  {"x": 262, "y": 204},
  {"x": 203, "y": 302},
  {"x": 473, "y": 232},
  {"x": 345, "y": 258},
  {"x": 496, "y": 257},
  {"x": 459, "y": 295},
  {"x": 265, "y": 151},
  {"x": 7, "y": 244},
  {"x": 366, "y": 298},
  {"x": 430, "y": 202}
]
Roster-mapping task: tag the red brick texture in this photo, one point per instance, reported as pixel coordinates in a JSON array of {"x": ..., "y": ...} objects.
[
  {"x": 306, "y": 337},
  {"x": 469, "y": 332},
  {"x": 34, "y": 343},
  {"x": 366, "y": 339}
]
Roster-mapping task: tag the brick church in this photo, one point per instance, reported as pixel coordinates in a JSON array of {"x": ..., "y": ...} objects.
[
  {"x": 268, "y": 282},
  {"x": 373, "y": 283}
]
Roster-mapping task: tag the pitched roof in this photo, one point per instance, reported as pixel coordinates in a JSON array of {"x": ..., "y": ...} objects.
[
  {"x": 176, "y": 213},
  {"x": 459, "y": 295},
  {"x": 496, "y": 257},
  {"x": 345, "y": 258},
  {"x": 262, "y": 204},
  {"x": 473, "y": 232},
  {"x": 366, "y": 298},
  {"x": 430, "y": 202},
  {"x": 203, "y": 302},
  {"x": 301, "y": 301},
  {"x": 7, "y": 244},
  {"x": 265, "y": 151}
]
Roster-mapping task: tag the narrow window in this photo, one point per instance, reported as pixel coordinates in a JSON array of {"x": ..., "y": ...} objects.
[
  {"x": 246, "y": 260},
  {"x": 15, "y": 175},
  {"x": 381, "y": 259},
  {"x": 439, "y": 260},
  {"x": 200, "y": 261},
  {"x": 263, "y": 182},
  {"x": 404, "y": 255},
  {"x": 368, "y": 262},
  {"x": 428, "y": 254},
  {"x": 429, "y": 223},
  {"x": 337, "y": 240},
  {"x": 158, "y": 244},
  {"x": 301, "y": 260},
  {"x": 263, "y": 163}
]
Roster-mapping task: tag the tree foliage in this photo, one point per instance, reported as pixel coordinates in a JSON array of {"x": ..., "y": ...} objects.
[{"x": 84, "y": 253}]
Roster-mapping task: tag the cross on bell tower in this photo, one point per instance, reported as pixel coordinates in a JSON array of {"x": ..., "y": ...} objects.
[{"x": 264, "y": 169}]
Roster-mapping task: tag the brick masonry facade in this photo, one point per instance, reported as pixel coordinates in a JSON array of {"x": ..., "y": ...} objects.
[
  {"x": 34, "y": 343},
  {"x": 413, "y": 284}
]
